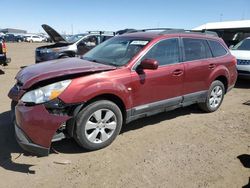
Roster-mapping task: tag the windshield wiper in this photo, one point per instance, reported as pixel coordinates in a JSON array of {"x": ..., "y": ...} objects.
[
  {"x": 97, "y": 61},
  {"x": 112, "y": 64}
]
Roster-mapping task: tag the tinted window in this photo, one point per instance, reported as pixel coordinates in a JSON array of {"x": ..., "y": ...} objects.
[
  {"x": 217, "y": 48},
  {"x": 165, "y": 52},
  {"x": 196, "y": 49}
]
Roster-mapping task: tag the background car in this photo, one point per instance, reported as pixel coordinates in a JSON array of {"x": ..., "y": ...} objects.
[
  {"x": 34, "y": 38},
  {"x": 242, "y": 53},
  {"x": 10, "y": 38},
  {"x": 69, "y": 46}
]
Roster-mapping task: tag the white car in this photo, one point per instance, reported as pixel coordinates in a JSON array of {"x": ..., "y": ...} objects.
[
  {"x": 242, "y": 53},
  {"x": 34, "y": 38}
]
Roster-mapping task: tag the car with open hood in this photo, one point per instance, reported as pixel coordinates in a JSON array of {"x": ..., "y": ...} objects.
[
  {"x": 122, "y": 79},
  {"x": 76, "y": 45}
]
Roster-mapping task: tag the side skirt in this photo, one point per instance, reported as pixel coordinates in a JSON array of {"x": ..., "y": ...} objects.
[{"x": 165, "y": 105}]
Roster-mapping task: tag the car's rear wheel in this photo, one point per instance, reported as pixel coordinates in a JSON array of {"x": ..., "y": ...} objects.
[
  {"x": 98, "y": 124},
  {"x": 214, "y": 97}
]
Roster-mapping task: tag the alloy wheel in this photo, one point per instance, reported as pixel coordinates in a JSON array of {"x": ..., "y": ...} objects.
[
  {"x": 100, "y": 126},
  {"x": 216, "y": 96}
]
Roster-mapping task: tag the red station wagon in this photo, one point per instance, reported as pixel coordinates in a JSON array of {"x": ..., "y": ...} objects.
[{"x": 125, "y": 78}]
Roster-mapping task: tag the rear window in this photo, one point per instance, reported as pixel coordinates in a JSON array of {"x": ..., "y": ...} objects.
[
  {"x": 196, "y": 49},
  {"x": 217, "y": 48}
]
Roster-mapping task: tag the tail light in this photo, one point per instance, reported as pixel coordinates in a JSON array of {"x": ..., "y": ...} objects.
[{"x": 4, "y": 49}]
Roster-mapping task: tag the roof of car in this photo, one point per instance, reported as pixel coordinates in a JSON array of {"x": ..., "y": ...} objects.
[{"x": 156, "y": 34}]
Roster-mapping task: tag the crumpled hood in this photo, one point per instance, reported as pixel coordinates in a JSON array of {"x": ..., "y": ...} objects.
[{"x": 57, "y": 68}]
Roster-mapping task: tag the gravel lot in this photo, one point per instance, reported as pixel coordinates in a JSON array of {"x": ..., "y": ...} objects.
[{"x": 181, "y": 148}]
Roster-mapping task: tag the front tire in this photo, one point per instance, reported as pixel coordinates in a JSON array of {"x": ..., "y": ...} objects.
[
  {"x": 214, "y": 98},
  {"x": 98, "y": 124},
  {"x": 12, "y": 113}
]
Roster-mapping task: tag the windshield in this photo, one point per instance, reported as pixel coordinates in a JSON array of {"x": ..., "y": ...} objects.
[
  {"x": 75, "y": 38},
  {"x": 243, "y": 45},
  {"x": 117, "y": 51}
]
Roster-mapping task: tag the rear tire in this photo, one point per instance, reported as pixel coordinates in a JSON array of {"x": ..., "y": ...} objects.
[
  {"x": 98, "y": 124},
  {"x": 214, "y": 97}
]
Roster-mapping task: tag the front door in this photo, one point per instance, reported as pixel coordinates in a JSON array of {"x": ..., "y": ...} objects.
[{"x": 152, "y": 89}]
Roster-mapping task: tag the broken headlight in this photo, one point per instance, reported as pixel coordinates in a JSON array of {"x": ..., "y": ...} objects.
[{"x": 45, "y": 93}]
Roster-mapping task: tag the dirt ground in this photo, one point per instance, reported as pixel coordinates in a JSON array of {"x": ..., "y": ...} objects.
[{"x": 181, "y": 148}]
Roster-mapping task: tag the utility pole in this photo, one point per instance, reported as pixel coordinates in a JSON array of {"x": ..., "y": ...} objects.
[
  {"x": 72, "y": 29},
  {"x": 221, "y": 16}
]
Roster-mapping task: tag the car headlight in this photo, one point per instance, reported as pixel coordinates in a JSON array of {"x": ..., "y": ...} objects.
[
  {"x": 45, "y": 93},
  {"x": 45, "y": 50}
]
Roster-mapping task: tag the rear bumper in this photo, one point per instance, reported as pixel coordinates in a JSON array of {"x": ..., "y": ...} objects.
[{"x": 35, "y": 128}]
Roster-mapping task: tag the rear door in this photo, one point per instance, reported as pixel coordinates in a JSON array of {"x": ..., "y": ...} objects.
[
  {"x": 197, "y": 66},
  {"x": 155, "y": 89}
]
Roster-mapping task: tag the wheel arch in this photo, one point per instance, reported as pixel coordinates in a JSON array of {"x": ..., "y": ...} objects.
[
  {"x": 67, "y": 53},
  {"x": 106, "y": 96},
  {"x": 221, "y": 73},
  {"x": 113, "y": 98},
  {"x": 224, "y": 80}
]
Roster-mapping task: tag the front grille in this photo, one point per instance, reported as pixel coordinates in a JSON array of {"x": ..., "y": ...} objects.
[{"x": 243, "y": 62}]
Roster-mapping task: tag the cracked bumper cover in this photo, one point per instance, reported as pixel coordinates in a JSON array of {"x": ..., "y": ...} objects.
[{"x": 35, "y": 128}]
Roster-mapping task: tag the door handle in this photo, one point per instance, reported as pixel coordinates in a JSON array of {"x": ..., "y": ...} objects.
[
  {"x": 211, "y": 66},
  {"x": 178, "y": 72}
]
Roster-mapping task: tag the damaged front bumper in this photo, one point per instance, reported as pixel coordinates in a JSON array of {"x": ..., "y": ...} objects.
[
  {"x": 36, "y": 127},
  {"x": 25, "y": 143}
]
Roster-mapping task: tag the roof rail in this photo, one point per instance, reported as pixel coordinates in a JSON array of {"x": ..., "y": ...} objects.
[
  {"x": 101, "y": 32},
  {"x": 120, "y": 32},
  {"x": 167, "y": 31},
  {"x": 158, "y": 29},
  {"x": 189, "y": 32}
]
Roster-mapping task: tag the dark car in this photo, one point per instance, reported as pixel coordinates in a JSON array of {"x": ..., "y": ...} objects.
[
  {"x": 13, "y": 38},
  {"x": 10, "y": 38},
  {"x": 125, "y": 78},
  {"x": 19, "y": 38},
  {"x": 69, "y": 47},
  {"x": 3, "y": 53}
]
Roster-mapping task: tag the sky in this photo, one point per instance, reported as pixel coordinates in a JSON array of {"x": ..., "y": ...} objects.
[{"x": 77, "y": 16}]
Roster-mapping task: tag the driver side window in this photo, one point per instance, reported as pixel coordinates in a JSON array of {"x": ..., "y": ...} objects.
[
  {"x": 90, "y": 41},
  {"x": 165, "y": 52}
]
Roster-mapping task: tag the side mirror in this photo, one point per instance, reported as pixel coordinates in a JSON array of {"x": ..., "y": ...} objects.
[{"x": 151, "y": 64}]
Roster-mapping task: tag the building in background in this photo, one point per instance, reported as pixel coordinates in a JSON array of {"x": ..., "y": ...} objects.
[
  {"x": 11, "y": 30},
  {"x": 231, "y": 31}
]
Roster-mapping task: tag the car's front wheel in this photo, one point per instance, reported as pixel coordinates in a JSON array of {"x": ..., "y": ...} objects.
[
  {"x": 13, "y": 106},
  {"x": 98, "y": 124},
  {"x": 214, "y": 97}
]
